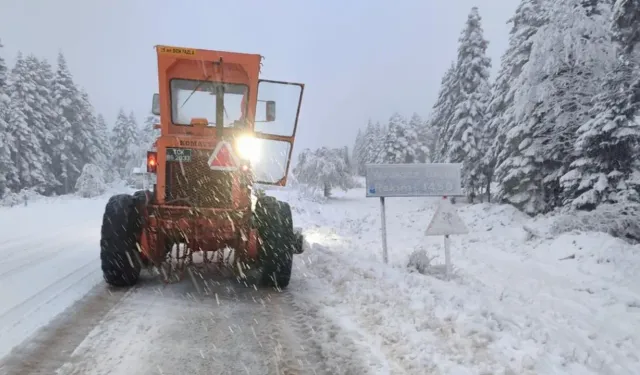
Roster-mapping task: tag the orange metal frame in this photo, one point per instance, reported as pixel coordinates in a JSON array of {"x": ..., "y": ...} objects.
[
  {"x": 198, "y": 64},
  {"x": 216, "y": 229}
]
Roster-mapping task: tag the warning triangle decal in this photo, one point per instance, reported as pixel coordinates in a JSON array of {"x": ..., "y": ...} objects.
[
  {"x": 222, "y": 158},
  {"x": 446, "y": 221}
]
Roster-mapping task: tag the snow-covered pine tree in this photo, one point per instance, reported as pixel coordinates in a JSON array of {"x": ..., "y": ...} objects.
[
  {"x": 464, "y": 136},
  {"x": 132, "y": 120},
  {"x": 324, "y": 169},
  {"x": 65, "y": 155},
  {"x": 27, "y": 156},
  {"x": 124, "y": 145},
  {"x": 4, "y": 79},
  {"x": 443, "y": 111},
  {"x": 569, "y": 57},
  {"x": 102, "y": 139},
  {"x": 606, "y": 147},
  {"x": 358, "y": 157},
  {"x": 421, "y": 138},
  {"x": 141, "y": 148},
  {"x": 399, "y": 143},
  {"x": 96, "y": 150},
  {"x": 625, "y": 30},
  {"x": 579, "y": 35},
  {"x": 371, "y": 144},
  {"x": 500, "y": 114},
  {"x": 43, "y": 76},
  {"x": 606, "y": 169},
  {"x": 9, "y": 172},
  {"x": 381, "y": 131},
  {"x": 429, "y": 134},
  {"x": 147, "y": 135},
  {"x": 347, "y": 159}
]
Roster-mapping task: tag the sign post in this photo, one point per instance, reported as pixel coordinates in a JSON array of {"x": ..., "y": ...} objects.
[
  {"x": 383, "y": 220},
  {"x": 446, "y": 222},
  {"x": 410, "y": 180}
]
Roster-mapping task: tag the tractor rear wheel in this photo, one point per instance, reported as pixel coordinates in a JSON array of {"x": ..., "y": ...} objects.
[
  {"x": 275, "y": 226},
  {"x": 142, "y": 198},
  {"x": 121, "y": 225}
]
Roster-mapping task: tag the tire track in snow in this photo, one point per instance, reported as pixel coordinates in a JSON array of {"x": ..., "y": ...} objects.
[
  {"x": 334, "y": 350},
  {"x": 28, "y": 262},
  {"x": 35, "y": 246},
  {"x": 48, "y": 349}
]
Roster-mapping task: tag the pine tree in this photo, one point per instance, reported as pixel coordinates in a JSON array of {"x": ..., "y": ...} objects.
[
  {"x": 358, "y": 153},
  {"x": 399, "y": 143},
  {"x": 464, "y": 136},
  {"x": 6, "y": 138},
  {"x": 418, "y": 141},
  {"x": 443, "y": 111},
  {"x": 95, "y": 152},
  {"x": 147, "y": 134},
  {"x": 606, "y": 143},
  {"x": 27, "y": 156},
  {"x": 429, "y": 134},
  {"x": 501, "y": 119},
  {"x": 347, "y": 158},
  {"x": 569, "y": 55},
  {"x": 370, "y": 144},
  {"x": 123, "y": 143},
  {"x": 65, "y": 155},
  {"x": 626, "y": 18},
  {"x": 102, "y": 140},
  {"x": 84, "y": 128},
  {"x": 42, "y": 100}
]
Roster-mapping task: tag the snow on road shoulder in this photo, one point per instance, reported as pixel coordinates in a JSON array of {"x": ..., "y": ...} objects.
[
  {"x": 49, "y": 255},
  {"x": 513, "y": 307}
]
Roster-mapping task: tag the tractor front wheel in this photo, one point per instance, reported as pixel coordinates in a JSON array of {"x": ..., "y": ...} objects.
[
  {"x": 274, "y": 222},
  {"x": 121, "y": 224}
]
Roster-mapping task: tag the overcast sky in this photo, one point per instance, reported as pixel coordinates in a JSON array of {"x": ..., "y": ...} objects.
[{"x": 359, "y": 59}]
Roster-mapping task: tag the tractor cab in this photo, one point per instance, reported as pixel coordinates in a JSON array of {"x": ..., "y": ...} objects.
[{"x": 209, "y": 98}]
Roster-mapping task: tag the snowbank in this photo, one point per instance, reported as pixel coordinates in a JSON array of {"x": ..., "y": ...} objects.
[
  {"x": 618, "y": 220},
  {"x": 523, "y": 300}
]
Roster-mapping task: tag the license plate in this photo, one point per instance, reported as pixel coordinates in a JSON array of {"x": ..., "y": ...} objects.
[{"x": 179, "y": 154}]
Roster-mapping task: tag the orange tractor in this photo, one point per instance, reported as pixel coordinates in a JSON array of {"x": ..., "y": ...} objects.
[{"x": 219, "y": 135}]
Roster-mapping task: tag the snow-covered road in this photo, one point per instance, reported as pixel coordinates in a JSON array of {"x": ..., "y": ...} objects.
[
  {"x": 48, "y": 259},
  {"x": 153, "y": 329},
  {"x": 513, "y": 306}
]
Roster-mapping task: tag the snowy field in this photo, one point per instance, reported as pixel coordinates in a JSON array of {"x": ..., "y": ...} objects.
[{"x": 517, "y": 304}]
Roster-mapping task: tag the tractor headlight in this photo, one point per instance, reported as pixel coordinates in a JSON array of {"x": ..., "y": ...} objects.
[{"x": 248, "y": 148}]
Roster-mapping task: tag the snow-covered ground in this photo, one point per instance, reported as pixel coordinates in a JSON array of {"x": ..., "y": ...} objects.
[
  {"x": 512, "y": 307},
  {"x": 48, "y": 259}
]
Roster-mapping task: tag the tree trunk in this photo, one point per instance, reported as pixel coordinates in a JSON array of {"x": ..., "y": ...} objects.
[
  {"x": 488, "y": 189},
  {"x": 488, "y": 178},
  {"x": 327, "y": 190}
]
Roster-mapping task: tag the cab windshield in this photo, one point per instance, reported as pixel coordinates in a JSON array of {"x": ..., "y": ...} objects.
[{"x": 191, "y": 99}]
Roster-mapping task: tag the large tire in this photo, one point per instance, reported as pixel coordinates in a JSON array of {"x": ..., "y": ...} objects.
[
  {"x": 275, "y": 227},
  {"x": 142, "y": 198},
  {"x": 121, "y": 226}
]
